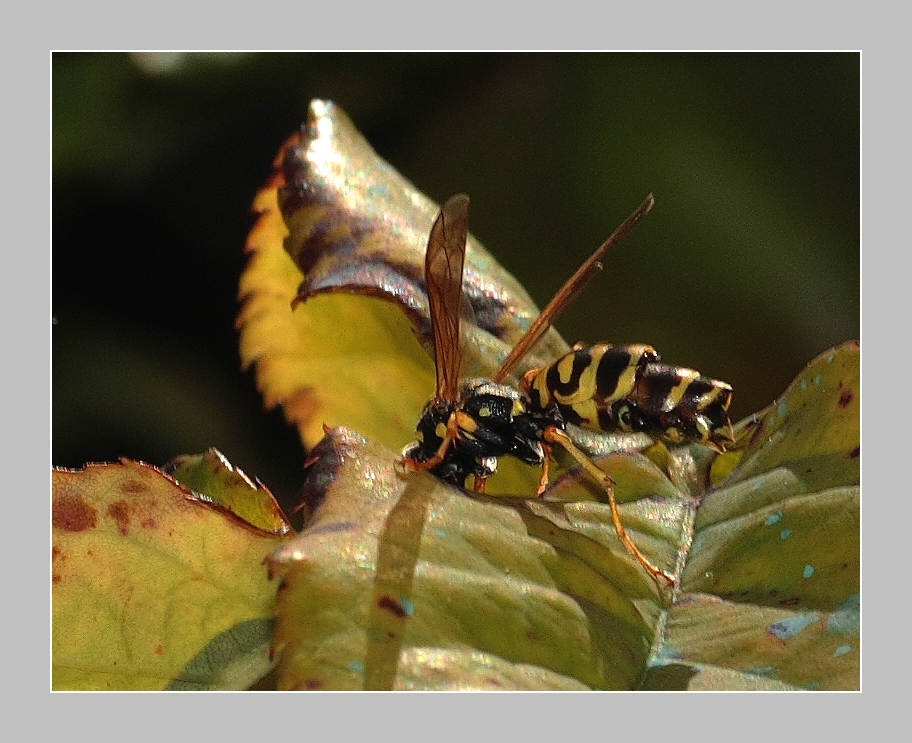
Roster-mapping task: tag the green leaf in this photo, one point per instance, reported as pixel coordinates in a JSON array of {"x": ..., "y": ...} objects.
[
  {"x": 404, "y": 582},
  {"x": 151, "y": 587},
  {"x": 215, "y": 481},
  {"x": 772, "y": 581}
]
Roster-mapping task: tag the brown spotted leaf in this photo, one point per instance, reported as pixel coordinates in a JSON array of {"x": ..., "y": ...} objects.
[
  {"x": 153, "y": 589},
  {"x": 358, "y": 231},
  {"x": 213, "y": 479}
]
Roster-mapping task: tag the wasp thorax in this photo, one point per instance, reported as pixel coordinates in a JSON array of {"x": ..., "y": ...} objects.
[{"x": 488, "y": 420}]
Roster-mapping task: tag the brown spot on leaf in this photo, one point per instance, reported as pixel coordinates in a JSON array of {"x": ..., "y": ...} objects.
[
  {"x": 845, "y": 398},
  {"x": 855, "y": 452},
  {"x": 72, "y": 513},
  {"x": 149, "y": 523},
  {"x": 120, "y": 512},
  {"x": 313, "y": 684},
  {"x": 794, "y": 601},
  {"x": 159, "y": 649},
  {"x": 388, "y": 603},
  {"x": 58, "y": 559}
]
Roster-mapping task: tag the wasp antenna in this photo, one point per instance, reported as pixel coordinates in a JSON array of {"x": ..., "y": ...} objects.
[{"x": 569, "y": 291}]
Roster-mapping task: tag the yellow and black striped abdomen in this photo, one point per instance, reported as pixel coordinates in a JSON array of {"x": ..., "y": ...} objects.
[
  {"x": 587, "y": 380},
  {"x": 627, "y": 389},
  {"x": 664, "y": 387},
  {"x": 684, "y": 405}
]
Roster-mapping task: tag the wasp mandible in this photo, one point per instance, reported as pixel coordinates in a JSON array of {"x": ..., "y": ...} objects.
[{"x": 468, "y": 424}]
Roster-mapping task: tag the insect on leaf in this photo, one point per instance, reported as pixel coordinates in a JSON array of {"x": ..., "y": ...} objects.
[
  {"x": 404, "y": 582},
  {"x": 399, "y": 581}
]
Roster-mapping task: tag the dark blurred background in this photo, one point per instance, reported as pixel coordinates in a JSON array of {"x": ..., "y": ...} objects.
[{"x": 746, "y": 269}]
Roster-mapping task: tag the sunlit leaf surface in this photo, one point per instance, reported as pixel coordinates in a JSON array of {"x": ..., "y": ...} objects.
[
  {"x": 357, "y": 227},
  {"x": 404, "y": 582},
  {"x": 153, "y": 589},
  {"x": 213, "y": 479},
  {"x": 399, "y": 581}
]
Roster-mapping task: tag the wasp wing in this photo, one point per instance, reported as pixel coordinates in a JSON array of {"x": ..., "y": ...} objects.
[
  {"x": 443, "y": 273},
  {"x": 569, "y": 291}
]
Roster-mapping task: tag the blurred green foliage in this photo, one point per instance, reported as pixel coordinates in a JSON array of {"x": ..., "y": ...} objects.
[{"x": 747, "y": 268}]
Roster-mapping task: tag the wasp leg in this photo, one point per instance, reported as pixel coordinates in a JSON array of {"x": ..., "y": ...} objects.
[
  {"x": 556, "y": 436},
  {"x": 543, "y": 480},
  {"x": 429, "y": 464},
  {"x": 480, "y": 485},
  {"x": 452, "y": 433}
]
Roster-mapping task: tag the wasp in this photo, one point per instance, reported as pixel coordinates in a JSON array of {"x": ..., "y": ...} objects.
[{"x": 469, "y": 424}]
